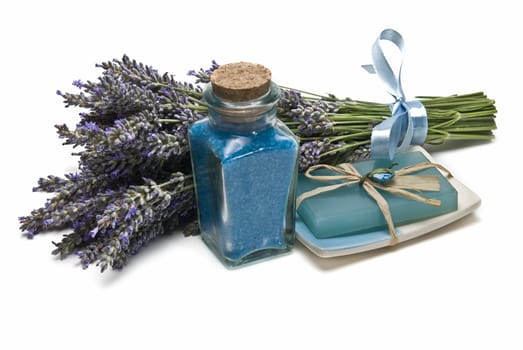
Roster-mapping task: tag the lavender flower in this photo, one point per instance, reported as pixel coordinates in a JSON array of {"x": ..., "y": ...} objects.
[
  {"x": 309, "y": 114},
  {"x": 119, "y": 226},
  {"x": 130, "y": 186},
  {"x": 74, "y": 197},
  {"x": 311, "y": 152},
  {"x": 137, "y": 211},
  {"x": 203, "y": 75},
  {"x": 78, "y": 83}
]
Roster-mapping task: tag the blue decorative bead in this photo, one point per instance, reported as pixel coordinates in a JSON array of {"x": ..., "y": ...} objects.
[{"x": 382, "y": 177}]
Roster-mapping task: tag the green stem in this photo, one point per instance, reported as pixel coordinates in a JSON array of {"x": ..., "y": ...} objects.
[
  {"x": 202, "y": 106},
  {"x": 169, "y": 121},
  {"x": 322, "y": 97},
  {"x": 190, "y": 93},
  {"x": 190, "y": 186},
  {"x": 364, "y": 134},
  {"x": 345, "y": 147}
]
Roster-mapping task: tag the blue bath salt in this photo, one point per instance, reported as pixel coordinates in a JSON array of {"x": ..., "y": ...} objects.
[
  {"x": 245, "y": 186},
  {"x": 351, "y": 210}
]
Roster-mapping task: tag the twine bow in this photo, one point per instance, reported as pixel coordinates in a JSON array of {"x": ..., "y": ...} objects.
[
  {"x": 399, "y": 183},
  {"x": 408, "y": 123}
]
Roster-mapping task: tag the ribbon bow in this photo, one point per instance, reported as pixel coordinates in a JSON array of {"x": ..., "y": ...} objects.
[
  {"x": 408, "y": 124},
  {"x": 395, "y": 182}
]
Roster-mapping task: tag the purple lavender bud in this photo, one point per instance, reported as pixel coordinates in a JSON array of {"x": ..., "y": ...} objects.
[
  {"x": 77, "y": 224},
  {"x": 30, "y": 234},
  {"x": 130, "y": 213},
  {"x": 114, "y": 174},
  {"x": 118, "y": 156},
  {"x": 78, "y": 83},
  {"x": 124, "y": 241},
  {"x": 93, "y": 232}
]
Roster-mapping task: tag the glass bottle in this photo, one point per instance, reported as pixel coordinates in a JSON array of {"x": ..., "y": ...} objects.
[{"x": 245, "y": 167}]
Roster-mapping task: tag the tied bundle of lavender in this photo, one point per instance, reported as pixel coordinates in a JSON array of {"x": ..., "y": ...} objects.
[{"x": 134, "y": 179}]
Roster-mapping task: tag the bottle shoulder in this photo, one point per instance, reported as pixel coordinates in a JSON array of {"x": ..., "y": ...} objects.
[{"x": 228, "y": 146}]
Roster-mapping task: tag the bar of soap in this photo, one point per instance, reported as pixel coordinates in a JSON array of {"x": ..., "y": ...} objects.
[{"x": 350, "y": 210}]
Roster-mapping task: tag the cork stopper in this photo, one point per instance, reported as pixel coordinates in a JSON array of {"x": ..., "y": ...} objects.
[{"x": 241, "y": 81}]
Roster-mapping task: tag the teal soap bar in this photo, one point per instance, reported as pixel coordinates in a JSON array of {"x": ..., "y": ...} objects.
[{"x": 351, "y": 210}]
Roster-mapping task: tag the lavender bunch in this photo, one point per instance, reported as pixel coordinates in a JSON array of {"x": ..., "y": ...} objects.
[
  {"x": 334, "y": 130},
  {"x": 134, "y": 179}
]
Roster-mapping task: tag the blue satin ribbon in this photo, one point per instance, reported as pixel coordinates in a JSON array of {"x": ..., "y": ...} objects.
[{"x": 408, "y": 124}]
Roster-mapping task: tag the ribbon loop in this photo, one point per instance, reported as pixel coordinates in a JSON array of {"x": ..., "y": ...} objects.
[
  {"x": 382, "y": 66},
  {"x": 408, "y": 123}
]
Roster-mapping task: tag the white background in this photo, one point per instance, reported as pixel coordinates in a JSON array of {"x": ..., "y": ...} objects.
[{"x": 458, "y": 288}]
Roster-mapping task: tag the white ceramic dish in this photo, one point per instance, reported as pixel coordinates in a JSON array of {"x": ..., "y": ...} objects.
[{"x": 468, "y": 201}]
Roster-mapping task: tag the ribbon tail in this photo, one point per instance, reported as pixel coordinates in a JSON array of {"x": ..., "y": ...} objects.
[
  {"x": 385, "y": 210},
  {"x": 417, "y": 167},
  {"x": 419, "y": 120},
  {"x": 385, "y": 138},
  {"x": 416, "y": 182},
  {"x": 381, "y": 64},
  {"x": 402, "y": 109},
  {"x": 409, "y": 195},
  {"x": 369, "y": 68},
  {"x": 393, "y": 134}
]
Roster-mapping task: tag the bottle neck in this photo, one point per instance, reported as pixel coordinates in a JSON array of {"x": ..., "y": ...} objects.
[{"x": 243, "y": 116}]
